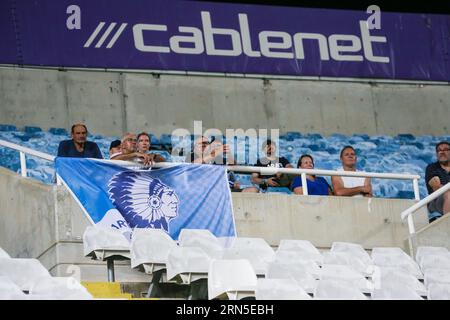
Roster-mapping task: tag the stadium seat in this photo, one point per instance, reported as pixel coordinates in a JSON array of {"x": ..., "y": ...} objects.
[
  {"x": 439, "y": 291},
  {"x": 396, "y": 259},
  {"x": 9, "y": 290},
  {"x": 60, "y": 288},
  {"x": 388, "y": 277},
  {"x": 347, "y": 274},
  {"x": 441, "y": 261},
  {"x": 188, "y": 263},
  {"x": 255, "y": 250},
  {"x": 150, "y": 249},
  {"x": 279, "y": 289},
  {"x": 106, "y": 244},
  {"x": 347, "y": 259},
  {"x": 201, "y": 238},
  {"x": 397, "y": 292},
  {"x": 337, "y": 290},
  {"x": 353, "y": 249},
  {"x": 297, "y": 257},
  {"x": 233, "y": 279},
  {"x": 23, "y": 272},
  {"x": 4, "y": 254},
  {"x": 294, "y": 271},
  {"x": 304, "y": 247},
  {"x": 436, "y": 275},
  {"x": 424, "y": 251}
]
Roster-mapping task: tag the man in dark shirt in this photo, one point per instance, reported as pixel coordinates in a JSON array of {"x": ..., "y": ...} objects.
[
  {"x": 436, "y": 176},
  {"x": 78, "y": 146},
  {"x": 271, "y": 160}
]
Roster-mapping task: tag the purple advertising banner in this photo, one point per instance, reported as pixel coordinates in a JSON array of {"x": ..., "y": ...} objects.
[{"x": 227, "y": 38}]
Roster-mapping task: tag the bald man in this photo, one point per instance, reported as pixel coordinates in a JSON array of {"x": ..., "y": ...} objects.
[{"x": 130, "y": 153}]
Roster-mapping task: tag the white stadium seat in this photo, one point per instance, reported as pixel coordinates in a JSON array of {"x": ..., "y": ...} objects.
[
  {"x": 337, "y": 290},
  {"x": 391, "y": 277},
  {"x": 232, "y": 279},
  {"x": 348, "y": 259},
  {"x": 397, "y": 292},
  {"x": 279, "y": 289},
  {"x": 189, "y": 263},
  {"x": 9, "y": 290},
  {"x": 297, "y": 257},
  {"x": 353, "y": 249},
  {"x": 293, "y": 271},
  {"x": 398, "y": 260},
  {"x": 304, "y": 247},
  {"x": 439, "y": 291},
  {"x": 435, "y": 275},
  {"x": 346, "y": 274},
  {"x": 255, "y": 250},
  {"x": 150, "y": 249},
  {"x": 441, "y": 261},
  {"x": 101, "y": 243},
  {"x": 23, "y": 272},
  {"x": 425, "y": 251},
  {"x": 201, "y": 238}
]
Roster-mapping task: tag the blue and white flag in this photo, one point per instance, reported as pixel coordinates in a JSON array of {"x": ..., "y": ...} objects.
[{"x": 182, "y": 196}]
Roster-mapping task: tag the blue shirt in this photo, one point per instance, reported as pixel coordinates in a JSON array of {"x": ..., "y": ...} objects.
[
  {"x": 319, "y": 187},
  {"x": 67, "y": 149}
]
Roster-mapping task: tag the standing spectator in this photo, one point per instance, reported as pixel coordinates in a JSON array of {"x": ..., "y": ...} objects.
[
  {"x": 437, "y": 175},
  {"x": 143, "y": 146},
  {"x": 78, "y": 146},
  {"x": 316, "y": 185},
  {"x": 350, "y": 186},
  {"x": 271, "y": 160}
]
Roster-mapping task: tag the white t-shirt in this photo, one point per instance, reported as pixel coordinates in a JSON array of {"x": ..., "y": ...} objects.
[{"x": 352, "y": 182}]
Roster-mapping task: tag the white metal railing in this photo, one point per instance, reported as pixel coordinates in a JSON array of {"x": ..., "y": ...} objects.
[
  {"x": 410, "y": 211},
  {"x": 245, "y": 169},
  {"x": 24, "y": 151}
]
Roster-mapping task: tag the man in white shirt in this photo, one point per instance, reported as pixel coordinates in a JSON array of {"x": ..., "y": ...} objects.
[{"x": 350, "y": 186}]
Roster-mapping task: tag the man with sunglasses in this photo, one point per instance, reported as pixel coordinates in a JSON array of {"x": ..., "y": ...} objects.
[{"x": 437, "y": 175}]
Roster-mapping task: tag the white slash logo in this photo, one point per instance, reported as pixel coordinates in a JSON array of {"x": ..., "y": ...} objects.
[{"x": 105, "y": 35}]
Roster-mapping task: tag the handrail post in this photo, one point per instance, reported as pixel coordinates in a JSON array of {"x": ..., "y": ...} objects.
[
  {"x": 411, "y": 227},
  {"x": 416, "y": 189},
  {"x": 23, "y": 164},
  {"x": 304, "y": 184}
]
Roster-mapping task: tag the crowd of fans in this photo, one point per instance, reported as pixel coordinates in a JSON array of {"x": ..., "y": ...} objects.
[{"x": 136, "y": 148}]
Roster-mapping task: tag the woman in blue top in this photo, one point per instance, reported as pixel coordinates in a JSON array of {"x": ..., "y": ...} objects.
[{"x": 316, "y": 185}]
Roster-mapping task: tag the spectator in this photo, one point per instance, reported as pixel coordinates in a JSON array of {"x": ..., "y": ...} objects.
[
  {"x": 129, "y": 151},
  {"x": 316, "y": 185},
  {"x": 437, "y": 175},
  {"x": 143, "y": 146},
  {"x": 114, "y": 148},
  {"x": 216, "y": 153},
  {"x": 271, "y": 160},
  {"x": 78, "y": 146},
  {"x": 350, "y": 186}
]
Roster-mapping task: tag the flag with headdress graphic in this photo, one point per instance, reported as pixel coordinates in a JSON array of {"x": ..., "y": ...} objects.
[{"x": 180, "y": 196}]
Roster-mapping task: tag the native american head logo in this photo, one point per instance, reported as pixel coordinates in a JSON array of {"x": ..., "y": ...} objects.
[{"x": 145, "y": 202}]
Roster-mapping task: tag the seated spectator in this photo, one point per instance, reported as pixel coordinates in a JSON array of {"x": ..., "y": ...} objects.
[
  {"x": 437, "y": 175},
  {"x": 114, "y": 148},
  {"x": 143, "y": 146},
  {"x": 350, "y": 186},
  {"x": 316, "y": 185},
  {"x": 216, "y": 153},
  {"x": 129, "y": 151},
  {"x": 78, "y": 146},
  {"x": 271, "y": 160}
]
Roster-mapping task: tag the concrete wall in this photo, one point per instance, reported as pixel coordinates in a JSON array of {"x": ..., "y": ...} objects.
[
  {"x": 436, "y": 234},
  {"x": 112, "y": 103}
]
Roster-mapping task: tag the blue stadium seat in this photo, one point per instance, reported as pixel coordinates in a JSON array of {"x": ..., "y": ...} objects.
[
  {"x": 58, "y": 131},
  {"x": 7, "y": 127},
  {"x": 29, "y": 129}
]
